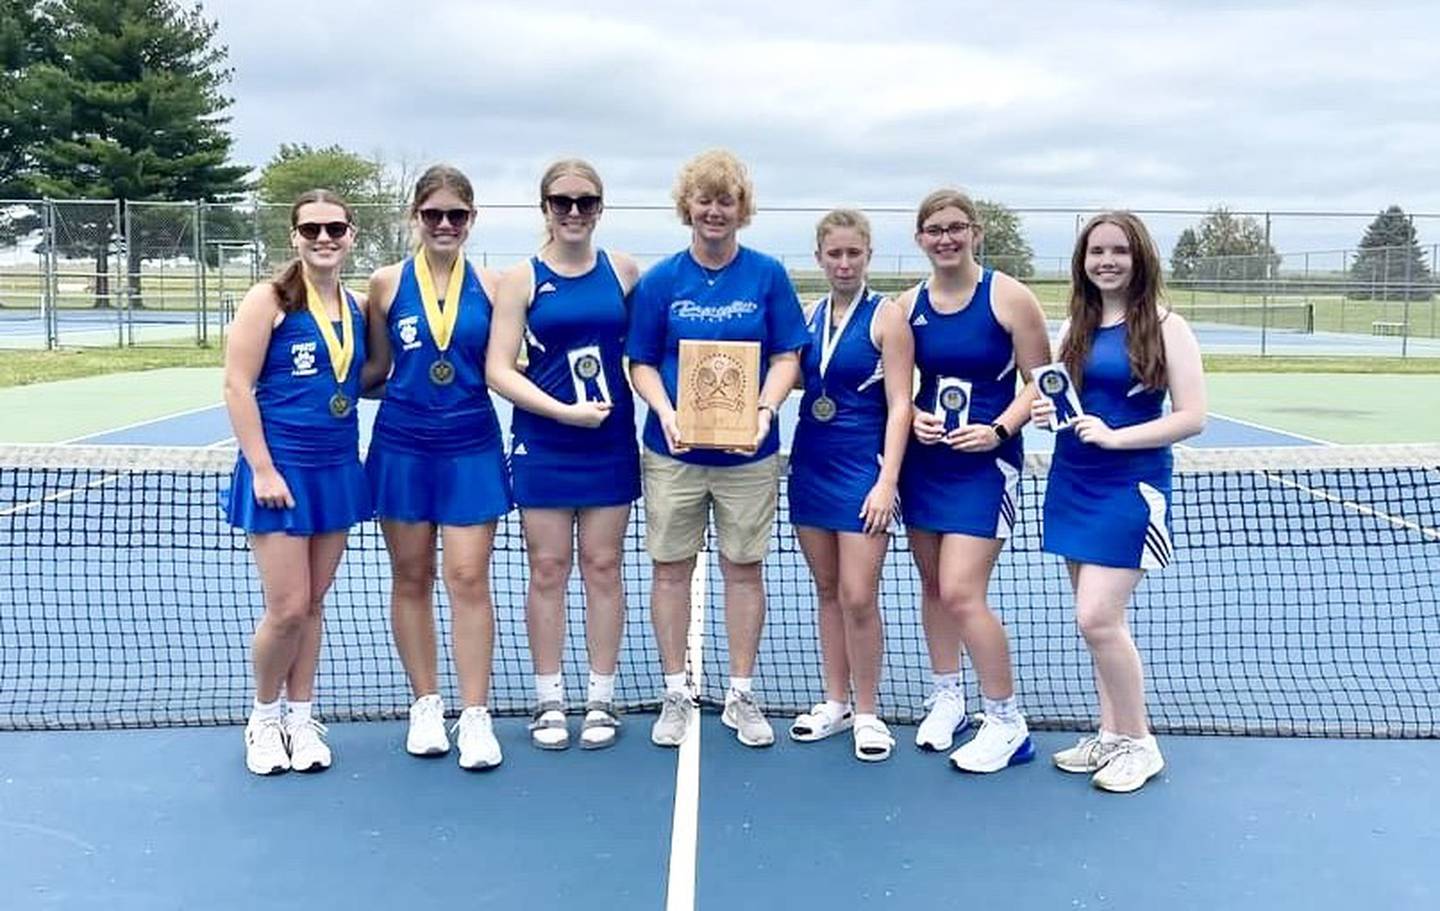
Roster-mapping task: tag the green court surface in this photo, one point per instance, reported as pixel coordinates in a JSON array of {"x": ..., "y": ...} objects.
[
  {"x": 66, "y": 409},
  {"x": 1335, "y": 407}
]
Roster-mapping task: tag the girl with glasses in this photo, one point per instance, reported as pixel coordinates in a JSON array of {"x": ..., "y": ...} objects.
[
  {"x": 293, "y": 360},
  {"x": 974, "y": 328},
  {"x": 844, "y": 468},
  {"x": 435, "y": 465},
  {"x": 556, "y": 351},
  {"x": 1107, "y": 503}
]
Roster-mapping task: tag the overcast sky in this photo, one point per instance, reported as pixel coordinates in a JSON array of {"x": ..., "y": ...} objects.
[{"x": 1268, "y": 106}]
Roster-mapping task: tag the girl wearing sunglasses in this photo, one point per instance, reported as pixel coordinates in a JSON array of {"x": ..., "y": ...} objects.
[
  {"x": 293, "y": 359},
  {"x": 556, "y": 351},
  {"x": 974, "y": 329},
  {"x": 435, "y": 463}
]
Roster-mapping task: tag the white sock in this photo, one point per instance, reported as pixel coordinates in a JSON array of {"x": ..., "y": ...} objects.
[
  {"x": 550, "y": 687},
  {"x": 836, "y": 709},
  {"x": 1004, "y": 710},
  {"x": 675, "y": 683},
  {"x": 863, "y": 719},
  {"x": 742, "y": 685},
  {"x": 950, "y": 681},
  {"x": 602, "y": 688},
  {"x": 300, "y": 711},
  {"x": 265, "y": 711}
]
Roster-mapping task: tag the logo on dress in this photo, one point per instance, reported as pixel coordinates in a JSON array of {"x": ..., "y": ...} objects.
[
  {"x": 409, "y": 332},
  {"x": 302, "y": 355},
  {"x": 920, "y": 321},
  {"x": 712, "y": 313},
  {"x": 544, "y": 288},
  {"x": 520, "y": 450}
]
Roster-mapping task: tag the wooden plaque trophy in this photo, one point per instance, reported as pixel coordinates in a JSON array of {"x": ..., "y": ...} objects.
[{"x": 719, "y": 389}]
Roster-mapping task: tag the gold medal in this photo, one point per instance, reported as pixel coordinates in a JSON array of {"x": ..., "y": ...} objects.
[{"x": 342, "y": 348}]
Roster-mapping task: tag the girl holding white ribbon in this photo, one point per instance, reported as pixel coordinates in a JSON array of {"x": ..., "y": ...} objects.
[
  {"x": 435, "y": 463},
  {"x": 292, "y": 374},
  {"x": 845, "y": 466}
]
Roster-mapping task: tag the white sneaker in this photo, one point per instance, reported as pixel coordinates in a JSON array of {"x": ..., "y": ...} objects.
[
  {"x": 996, "y": 745},
  {"x": 672, "y": 726},
  {"x": 476, "y": 738},
  {"x": 265, "y": 751},
  {"x": 742, "y": 714},
  {"x": 1132, "y": 762},
  {"x": 1086, "y": 757},
  {"x": 427, "y": 727},
  {"x": 945, "y": 719},
  {"x": 308, "y": 750}
]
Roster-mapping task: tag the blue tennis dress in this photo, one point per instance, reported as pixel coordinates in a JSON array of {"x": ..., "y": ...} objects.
[
  {"x": 942, "y": 489},
  {"x": 834, "y": 463},
  {"x": 1110, "y": 507},
  {"x": 316, "y": 452},
  {"x": 435, "y": 454},
  {"x": 576, "y": 324}
]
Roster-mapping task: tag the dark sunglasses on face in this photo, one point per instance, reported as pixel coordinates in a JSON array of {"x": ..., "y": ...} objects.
[
  {"x": 562, "y": 205},
  {"x": 310, "y": 230},
  {"x": 458, "y": 218}
]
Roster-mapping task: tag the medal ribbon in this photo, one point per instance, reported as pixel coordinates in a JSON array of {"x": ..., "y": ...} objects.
[
  {"x": 441, "y": 322},
  {"x": 829, "y": 344},
  {"x": 342, "y": 350}
]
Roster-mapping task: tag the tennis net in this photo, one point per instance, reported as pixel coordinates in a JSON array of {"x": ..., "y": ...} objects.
[{"x": 1303, "y": 602}]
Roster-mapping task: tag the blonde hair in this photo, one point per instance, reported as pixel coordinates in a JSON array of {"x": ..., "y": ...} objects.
[
  {"x": 714, "y": 172},
  {"x": 566, "y": 167},
  {"x": 943, "y": 199},
  {"x": 837, "y": 219}
]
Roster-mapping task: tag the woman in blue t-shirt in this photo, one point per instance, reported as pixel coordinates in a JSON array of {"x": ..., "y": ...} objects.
[
  {"x": 1107, "y": 503},
  {"x": 715, "y": 289},
  {"x": 292, "y": 374},
  {"x": 436, "y": 463},
  {"x": 574, "y": 461}
]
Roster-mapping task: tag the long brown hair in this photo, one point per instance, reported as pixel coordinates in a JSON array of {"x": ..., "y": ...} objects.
[
  {"x": 1144, "y": 310},
  {"x": 289, "y": 282},
  {"x": 439, "y": 177}
]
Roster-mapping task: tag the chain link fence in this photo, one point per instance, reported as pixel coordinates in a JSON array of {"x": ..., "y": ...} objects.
[{"x": 111, "y": 272}]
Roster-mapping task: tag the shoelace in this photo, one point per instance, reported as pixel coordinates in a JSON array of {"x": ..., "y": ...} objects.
[
  {"x": 309, "y": 724},
  {"x": 268, "y": 730},
  {"x": 481, "y": 718},
  {"x": 936, "y": 695}
]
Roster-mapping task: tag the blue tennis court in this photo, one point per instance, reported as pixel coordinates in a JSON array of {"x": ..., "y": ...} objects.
[{"x": 1302, "y": 612}]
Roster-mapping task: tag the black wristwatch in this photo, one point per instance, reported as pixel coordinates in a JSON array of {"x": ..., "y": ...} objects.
[{"x": 1002, "y": 433}]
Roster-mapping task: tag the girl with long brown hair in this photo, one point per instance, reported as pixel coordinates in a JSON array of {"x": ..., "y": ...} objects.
[
  {"x": 1107, "y": 504},
  {"x": 293, "y": 360}
]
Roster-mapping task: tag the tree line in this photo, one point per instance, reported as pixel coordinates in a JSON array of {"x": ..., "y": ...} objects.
[{"x": 125, "y": 100}]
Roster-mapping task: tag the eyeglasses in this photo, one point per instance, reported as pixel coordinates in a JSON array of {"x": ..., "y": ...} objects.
[
  {"x": 310, "y": 230},
  {"x": 458, "y": 218},
  {"x": 935, "y": 232},
  {"x": 563, "y": 205}
]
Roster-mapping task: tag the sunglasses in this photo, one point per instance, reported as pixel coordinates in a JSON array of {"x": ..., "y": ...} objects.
[
  {"x": 310, "y": 230},
  {"x": 458, "y": 218},
  {"x": 562, "y": 205}
]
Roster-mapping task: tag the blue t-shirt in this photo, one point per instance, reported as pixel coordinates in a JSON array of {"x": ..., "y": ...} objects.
[{"x": 750, "y": 300}]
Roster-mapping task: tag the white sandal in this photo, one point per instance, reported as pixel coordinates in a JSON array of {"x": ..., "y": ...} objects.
[
  {"x": 821, "y": 722},
  {"x": 872, "y": 739},
  {"x": 548, "y": 729}
]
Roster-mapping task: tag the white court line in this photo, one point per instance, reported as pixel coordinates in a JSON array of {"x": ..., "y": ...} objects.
[
  {"x": 219, "y": 443},
  {"x": 148, "y": 421},
  {"x": 62, "y": 495},
  {"x": 685, "y": 823},
  {"x": 1274, "y": 430},
  {"x": 1396, "y": 521}
]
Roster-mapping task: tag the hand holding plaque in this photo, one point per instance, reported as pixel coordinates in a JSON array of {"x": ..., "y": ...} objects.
[
  {"x": 718, "y": 394},
  {"x": 1054, "y": 382}
]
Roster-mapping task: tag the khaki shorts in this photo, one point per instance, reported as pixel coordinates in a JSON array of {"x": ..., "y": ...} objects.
[{"x": 677, "y": 507}]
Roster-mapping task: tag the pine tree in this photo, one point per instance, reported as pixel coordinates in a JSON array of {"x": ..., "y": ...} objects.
[
  {"x": 1185, "y": 258},
  {"x": 143, "y": 116},
  {"x": 1389, "y": 263}
]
